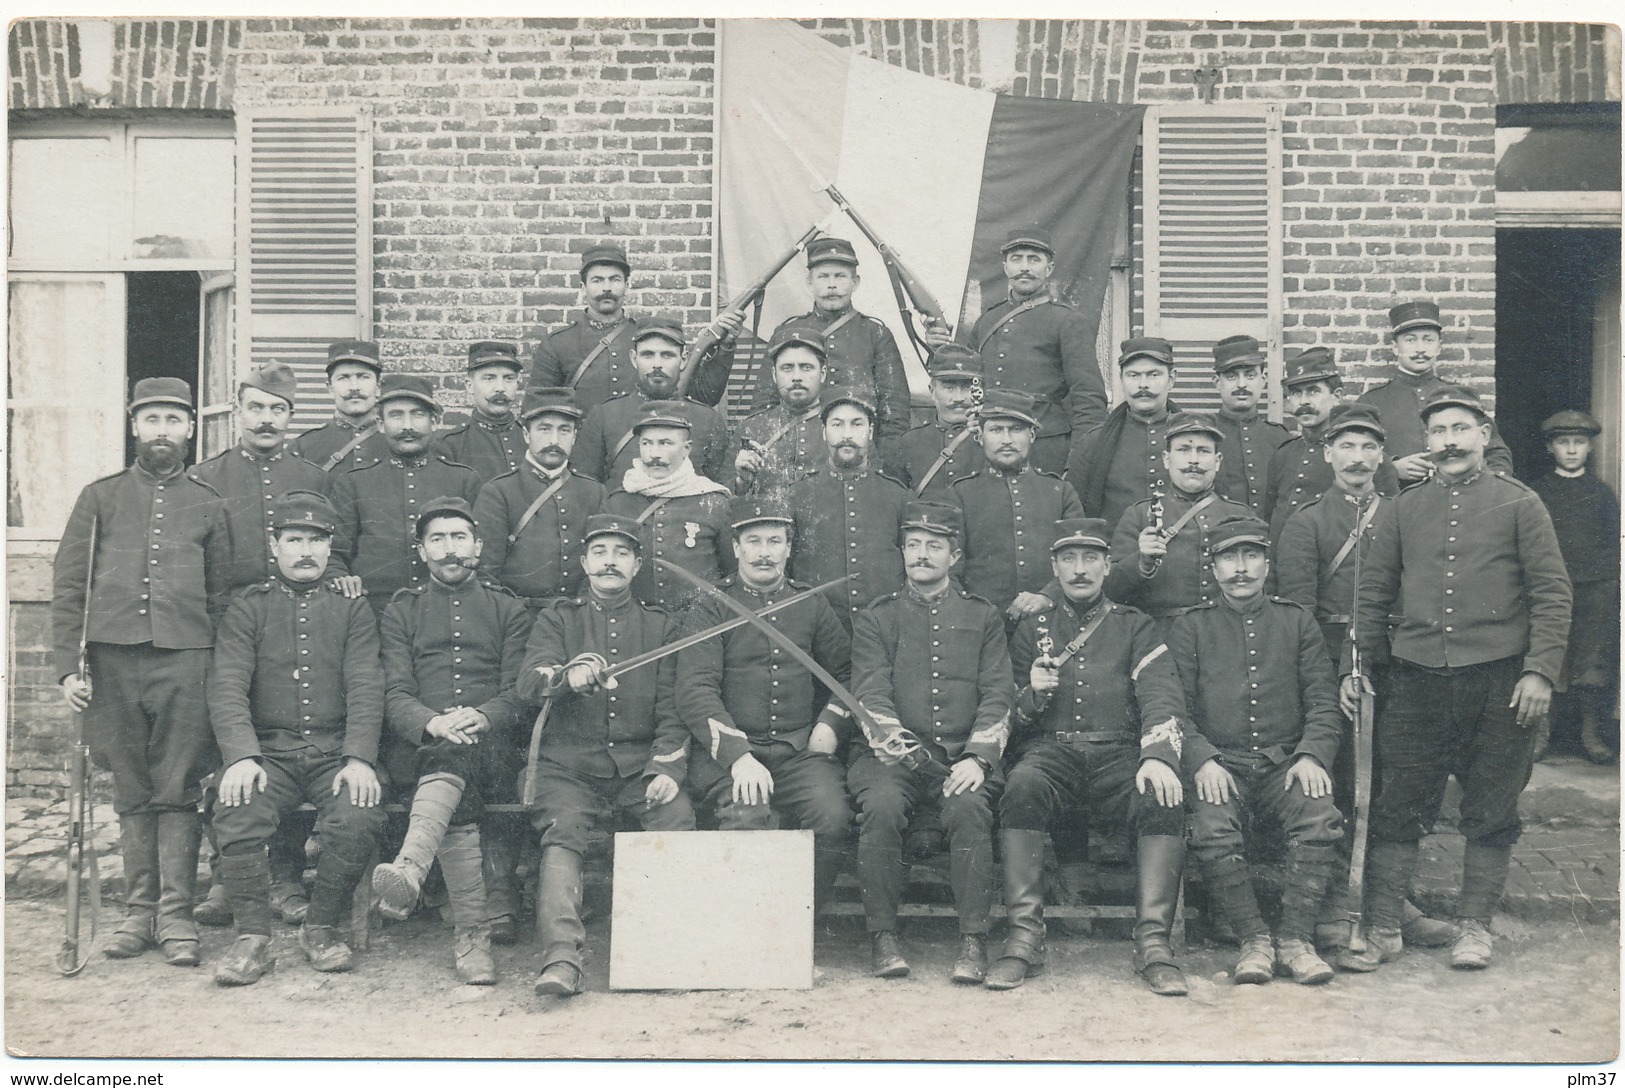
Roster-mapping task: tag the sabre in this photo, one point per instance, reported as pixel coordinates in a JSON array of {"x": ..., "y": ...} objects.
[{"x": 1363, "y": 724}]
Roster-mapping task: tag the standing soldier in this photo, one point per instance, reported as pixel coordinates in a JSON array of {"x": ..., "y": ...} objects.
[
  {"x": 684, "y": 514},
  {"x": 768, "y": 732},
  {"x": 296, "y": 698},
  {"x": 159, "y": 570},
  {"x": 1471, "y": 565},
  {"x": 492, "y": 442},
  {"x": 860, "y": 351},
  {"x": 532, "y": 519},
  {"x": 609, "y": 442},
  {"x": 847, "y": 513},
  {"x": 378, "y": 504},
  {"x": 1417, "y": 333},
  {"x": 1120, "y": 462},
  {"x": 931, "y": 456},
  {"x": 1161, "y": 544},
  {"x": 777, "y": 445},
  {"x": 452, "y": 650},
  {"x": 592, "y": 355},
  {"x": 1100, "y": 718},
  {"x": 930, "y": 664},
  {"x": 623, "y": 748},
  {"x": 1010, "y": 509},
  {"x": 1238, "y": 374},
  {"x": 1265, "y": 732},
  {"x": 1032, "y": 341},
  {"x": 351, "y": 438}
]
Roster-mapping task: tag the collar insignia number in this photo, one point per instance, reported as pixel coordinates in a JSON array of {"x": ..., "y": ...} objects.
[{"x": 691, "y": 531}]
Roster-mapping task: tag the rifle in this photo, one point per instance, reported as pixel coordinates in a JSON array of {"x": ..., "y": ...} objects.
[
  {"x": 1363, "y": 723},
  {"x": 81, "y": 813},
  {"x": 910, "y": 291}
]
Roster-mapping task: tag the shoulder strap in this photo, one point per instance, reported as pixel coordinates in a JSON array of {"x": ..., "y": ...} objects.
[
  {"x": 786, "y": 428},
  {"x": 1360, "y": 527},
  {"x": 349, "y": 447},
  {"x": 536, "y": 506},
  {"x": 598, "y": 349},
  {"x": 1173, "y": 530},
  {"x": 1082, "y": 636},
  {"x": 620, "y": 447},
  {"x": 943, "y": 458},
  {"x": 649, "y": 511},
  {"x": 1030, "y": 304},
  {"x": 840, "y": 322}
]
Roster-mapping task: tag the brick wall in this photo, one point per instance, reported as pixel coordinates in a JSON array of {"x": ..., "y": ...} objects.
[
  {"x": 1555, "y": 62},
  {"x": 182, "y": 64}
]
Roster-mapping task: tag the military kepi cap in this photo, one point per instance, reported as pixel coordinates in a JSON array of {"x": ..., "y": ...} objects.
[
  {"x": 1030, "y": 236},
  {"x": 446, "y": 506},
  {"x": 660, "y": 413},
  {"x": 1311, "y": 365},
  {"x": 1010, "y": 404},
  {"x": 277, "y": 379},
  {"x": 1082, "y": 533},
  {"x": 1191, "y": 423},
  {"x": 1414, "y": 315},
  {"x": 364, "y": 352},
  {"x": 605, "y": 253},
  {"x": 941, "y": 518},
  {"x": 1232, "y": 532},
  {"x": 845, "y": 394},
  {"x": 303, "y": 510},
  {"x": 1234, "y": 351},
  {"x": 751, "y": 509},
  {"x": 493, "y": 353},
  {"x": 407, "y": 387},
  {"x": 560, "y": 399},
  {"x": 954, "y": 362},
  {"x": 1570, "y": 422},
  {"x": 614, "y": 525},
  {"x": 669, "y": 326},
  {"x": 161, "y": 391},
  {"x": 792, "y": 335},
  {"x": 1452, "y": 396},
  {"x": 827, "y": 249},
  {"x": 1146, "y": 347},
  {"x": 1354, "y": 416}
]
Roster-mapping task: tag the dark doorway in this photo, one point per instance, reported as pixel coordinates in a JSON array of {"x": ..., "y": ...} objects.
[
  {"x": 1547, "y": 284},
  {"x": 161, "y": 331}
]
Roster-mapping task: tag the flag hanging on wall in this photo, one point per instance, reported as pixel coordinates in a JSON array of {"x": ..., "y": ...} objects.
[{"x": 940, "y": 171}]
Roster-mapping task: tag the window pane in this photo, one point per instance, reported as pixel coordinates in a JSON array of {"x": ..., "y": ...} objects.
[
  {"x": 183, "y": 197},
  {"x": 62, "y": 198}
]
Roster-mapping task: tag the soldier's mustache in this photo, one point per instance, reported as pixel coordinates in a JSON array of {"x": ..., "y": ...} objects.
[
  {"x": 545, "y": 450},
  {"x": 500, "y": 398},
  {"x": 265, "y": 428},
  {"x": 604, "y": 572},
  {"x": 408, "y": 436},
  {"x": 1452, "y": 451}
]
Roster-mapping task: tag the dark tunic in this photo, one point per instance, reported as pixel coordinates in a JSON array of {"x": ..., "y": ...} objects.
[
  {"x": 790, "y": 446},
  {"x": 1299, "y": 474},
  {"x": 1399, "y": 401},
  {"x": 1047, "y": 350},
  {"x": 489, "y": 448},
  {"x": 1185, "y": 577},
  {"x": 863, "y": 355},
  {"x": 560, "y": 354},
  {"x": 605, "y": 428},
  {"x": 378, "y": 507},
  {"x": 1134, "y": 469},
  {"x": 847, "y": 523},
  {"x": 545, "y": 560},
  {"x": 250, "y": 484},
  {"x": 912, "y": 456},
  {"x": 691, "y": 531},
  {"x": 1009, "y": 523},
  {"x": 321, "y": 445},
  {"x": 1248, "y": 443}
]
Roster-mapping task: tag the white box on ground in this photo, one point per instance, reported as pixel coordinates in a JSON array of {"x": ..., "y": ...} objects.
[{"x": 712, "y": 910}]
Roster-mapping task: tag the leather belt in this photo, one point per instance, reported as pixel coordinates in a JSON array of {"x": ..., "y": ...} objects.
[
  {"x": 1335, "y": 619},
  {"x": 1114, "y": 736}
]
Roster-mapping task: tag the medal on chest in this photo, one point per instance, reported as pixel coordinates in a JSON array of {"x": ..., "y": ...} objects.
[{"x": 691, "y": 534}]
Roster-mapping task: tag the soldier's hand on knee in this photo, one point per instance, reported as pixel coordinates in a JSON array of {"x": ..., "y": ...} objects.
[
  {"x": 77, "y": 691},
  {"x": 965, "y": 775},
  {"x": 1309, "y": 774},
  {"x": 365, "y": 792},
  {"x": 662, "y": 790},
  {"x": 1214, "y": 784},
  {"x": 1532, "y": 698},
  {"x": 349, "y": 585},
  {"x": 753, "y": 783},
  {"x": 1348, "y": 694},
  {"x": 240, "y": 781},
  {"x": 1161, "y": 779}
]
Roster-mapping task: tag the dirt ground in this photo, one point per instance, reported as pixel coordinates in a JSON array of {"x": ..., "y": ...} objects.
[{"x": 1552, "y": 996}]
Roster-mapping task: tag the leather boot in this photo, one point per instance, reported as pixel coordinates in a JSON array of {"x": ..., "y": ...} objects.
[
  {"x": 247, "y": 882},
  {"x": 246, "y": 961},
  {"x": 886, "y": 955},
  {"x": 214, "y": 910},
  {"x": 1594, "y": 711},
  {"x": 1389, "y": 869},
  {"x": 138, "y": 842},
  {"x": 465, "y": 888},
  {"x": 179, "y": 836},
  {"x": 1230, "y": 891},
  {"x": 1256, "y": 964},
  {"x": 970, "y": 968},
  {"x": 558, "y": 922},
  {"x": 1024, "y": 904},
  {"x": 1483, "y": 878},
  {"x": 286, "y": 848},
  {"x": 1161, "y": 862},
  {"x": 499, "y": 846},
  {"x": 1308, "y": 874},
  {"x": 397, "y": 883},
  {"x": 1423, "y": 932},
  {"x": 343, "y": 859}
]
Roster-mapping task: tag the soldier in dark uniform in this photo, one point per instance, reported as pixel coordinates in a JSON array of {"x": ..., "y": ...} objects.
[
  {"x": 352, "y": 437},
  {"x": 592, "y": 355},
  {"x": 1249, "y": 438},
  {"x": 1161, "y": 543},
  {"x": 847, "y": 512},
  {"x": 1299, "y": 472},
  {"x": 1099, "y": 725},
  {"x": 378, "y": 504},
  {"x": 1266, "y": 730},
  {"x": 860, "y": 351},
  {"x": 532, "y": 519},
  {"x": 492, "y": 442},
  {"x": 931, "y": 456},
  {"x": 931, "y": 666},
  {"x": 162, "y": 559},
  {"x": 296, "y": 698},
  {"x": 1417, "y": 333},
  {"x": 1010, "y": 508},
  {"x": 623, "y": 747},
  {"x": 1034, "y": 342},
  {"x": 452, "y": 650},
  {"x": 777, "y": 445},
  {"x": 768, "y": 732},
  {"x": 684, "y": 514},
  {"x": 608, "y": 445},
  {"x": 1471, "y": 565},
  {"x": 1585, "y": 516},
  {"x": 1120, "y": 462}
]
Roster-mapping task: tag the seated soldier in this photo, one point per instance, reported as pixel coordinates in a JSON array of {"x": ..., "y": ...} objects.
[
  {"x": 1265, "y": 730},
  {"x": 296, "y": 698},
  {"x": 768, "y": 732},
  {"x": 1098, "y": 733},
  {"x": 609, "y": 741},
  {"x": 452, "y": 651}
]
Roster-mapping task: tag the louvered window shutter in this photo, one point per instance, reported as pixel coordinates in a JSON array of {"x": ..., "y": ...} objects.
[
  {"x": 304, "y": 242},
  {"x": 1213, "y": 237}
]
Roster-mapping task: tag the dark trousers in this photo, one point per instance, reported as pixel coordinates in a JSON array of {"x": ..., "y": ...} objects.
[
  {"x": 290, "y": 780},
  {"x": 888, "y": 797},
  {"x": 489, "y": 770},
  {"x": 810, "y": 791},
  {"x": 1053, "y": 787},
  {"x": 1261, "y": 798},
  {"x": 1435, "y": 723},
  {"x": 569, "y": 803},
  {"x": 148, "y": 725}
]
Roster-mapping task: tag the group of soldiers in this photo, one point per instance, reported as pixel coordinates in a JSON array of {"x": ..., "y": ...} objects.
[{"x": 1026, "y": 618}]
